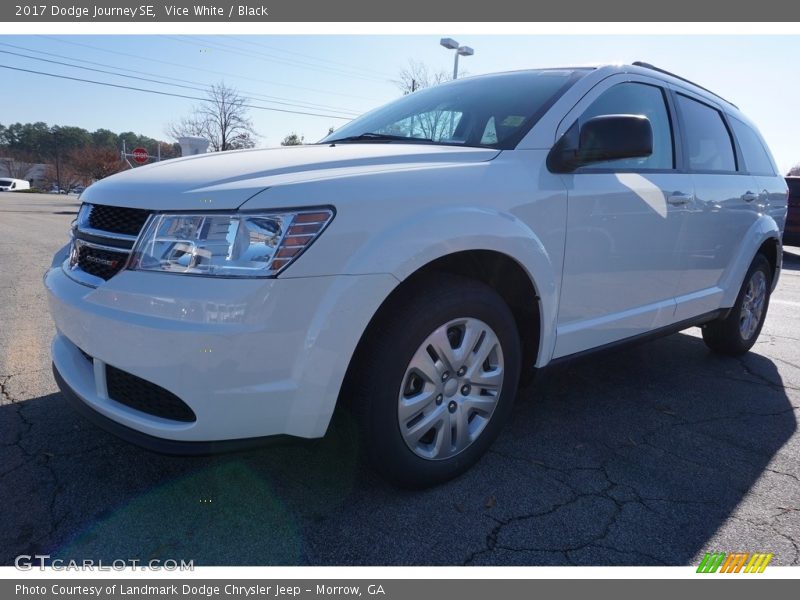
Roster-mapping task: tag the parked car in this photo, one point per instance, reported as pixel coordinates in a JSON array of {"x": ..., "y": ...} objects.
[
  {"x": 416, "y": 265},
  {"x": 791, "y": 234},
  {"x": 8, "y": 184}
]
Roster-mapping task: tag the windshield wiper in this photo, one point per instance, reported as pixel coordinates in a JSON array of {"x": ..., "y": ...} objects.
[{"x": 379, "y": 137}]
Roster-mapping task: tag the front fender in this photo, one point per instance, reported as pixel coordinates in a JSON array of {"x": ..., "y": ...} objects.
[
  {"x": 426, "y": 236},
  {"x": 763, "y": 229}
]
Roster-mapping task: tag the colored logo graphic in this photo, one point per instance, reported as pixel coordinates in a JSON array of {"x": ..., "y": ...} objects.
[{"x": 744, "y": 562}]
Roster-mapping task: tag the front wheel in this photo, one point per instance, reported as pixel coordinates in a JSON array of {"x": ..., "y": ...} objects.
[
  {"x": 436, "y": 380},
  {"x": 736, "y": 333}
]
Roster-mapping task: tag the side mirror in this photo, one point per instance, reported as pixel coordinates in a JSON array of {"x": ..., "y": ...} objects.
[{"x": 607, "y": 137}]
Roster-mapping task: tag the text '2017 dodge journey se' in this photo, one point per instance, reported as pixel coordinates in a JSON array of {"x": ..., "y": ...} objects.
[{"x": 416, "y": 264}]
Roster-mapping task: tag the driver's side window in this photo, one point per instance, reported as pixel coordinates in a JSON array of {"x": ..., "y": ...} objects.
[{"x": 636, "y": 99}]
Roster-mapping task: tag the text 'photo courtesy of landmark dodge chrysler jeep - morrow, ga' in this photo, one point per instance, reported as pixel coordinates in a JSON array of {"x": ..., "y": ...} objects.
[{"x": 415, "y": 265}]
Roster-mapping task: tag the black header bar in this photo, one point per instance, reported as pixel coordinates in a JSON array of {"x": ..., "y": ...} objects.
[{"x": 447, "y": 11}]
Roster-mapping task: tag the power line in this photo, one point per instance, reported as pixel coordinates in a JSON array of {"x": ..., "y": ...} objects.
[
  {"x": 256, "y": 95},
  {"x": 198, "y": 89},
  {"x": 223, "y": 47},
  {"x": 324, "y": 60},
  {"x": 160, "y": 93},
  {"x": 184, "y": 66}
]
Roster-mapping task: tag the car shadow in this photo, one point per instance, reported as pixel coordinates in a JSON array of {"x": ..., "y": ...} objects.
[{"x": 635, "y": 457}]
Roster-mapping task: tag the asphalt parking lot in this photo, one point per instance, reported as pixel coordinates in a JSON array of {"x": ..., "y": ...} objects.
[{"x": 648, "y": 456}]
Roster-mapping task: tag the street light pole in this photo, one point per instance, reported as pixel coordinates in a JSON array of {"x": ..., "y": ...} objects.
[{"x": 451, "y": 44}]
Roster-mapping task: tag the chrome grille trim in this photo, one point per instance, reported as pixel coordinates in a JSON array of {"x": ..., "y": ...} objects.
[{"x": 106, "y": 234}]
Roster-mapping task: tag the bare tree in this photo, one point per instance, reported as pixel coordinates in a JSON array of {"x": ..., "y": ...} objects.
[
  {"x": 794, "y": 171},
  {"x": 222, "y": 120},
  {"x": 64, "y": 179},
  {"x": 16, "y": 166},
  {"x": 417, "y": 76}
]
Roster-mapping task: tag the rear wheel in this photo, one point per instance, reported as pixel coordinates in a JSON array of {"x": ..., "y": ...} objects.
[
  {"x": 436, "y": 380},
  {"x": 736, "y": 333}
]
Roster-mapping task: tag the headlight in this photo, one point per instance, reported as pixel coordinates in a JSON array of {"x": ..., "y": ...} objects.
[{"x": 227, "y": 245}]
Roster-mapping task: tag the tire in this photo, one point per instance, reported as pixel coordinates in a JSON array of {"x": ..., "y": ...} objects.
[
  {"x": 400, "y": 387},
  {"x": 738, "y": 331}
]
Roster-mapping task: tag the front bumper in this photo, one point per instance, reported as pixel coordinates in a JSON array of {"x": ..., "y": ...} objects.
[{"x": 251, "y": 358}]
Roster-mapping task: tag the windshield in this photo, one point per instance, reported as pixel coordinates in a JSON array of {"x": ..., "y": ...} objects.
[
  {"x": 5, "y": 182},
  {"x": 493, "y": 111}
]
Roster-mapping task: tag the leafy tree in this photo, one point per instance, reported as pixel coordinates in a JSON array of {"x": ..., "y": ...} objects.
[
  {"x": 34, "y": 139},
  {"x": 293, "y": 140},
  {"x": 794, "y": 171},
  {"x": 104, "y": 138},
  {"x": 94, "y": 163}
]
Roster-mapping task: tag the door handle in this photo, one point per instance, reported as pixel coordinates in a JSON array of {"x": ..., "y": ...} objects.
[
  {"x": 749, "y": 196},
  {"x": 679, "y": 198}
]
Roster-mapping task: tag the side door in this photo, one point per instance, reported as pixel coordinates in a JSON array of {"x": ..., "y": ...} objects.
[
  {"x": 624, "y": 221},
  {"x": 724, "y": 207}
]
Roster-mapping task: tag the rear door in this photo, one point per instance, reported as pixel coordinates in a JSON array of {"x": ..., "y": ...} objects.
[
  {"x": 724, "y": 207},
  {"x": 624, "y": 220},
  {"x": 758, "y": 161}
]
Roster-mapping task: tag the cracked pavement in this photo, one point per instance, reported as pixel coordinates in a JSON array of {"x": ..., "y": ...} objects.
[{"x": 647, "y": 456}]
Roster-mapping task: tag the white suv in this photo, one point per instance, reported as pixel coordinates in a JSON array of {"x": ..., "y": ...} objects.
[{"x": 415, "y": 265}]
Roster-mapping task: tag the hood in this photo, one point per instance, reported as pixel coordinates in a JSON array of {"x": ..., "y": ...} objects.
[{"x": 226, "y": 180}]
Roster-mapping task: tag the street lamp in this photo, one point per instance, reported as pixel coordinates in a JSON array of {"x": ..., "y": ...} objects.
[{"x": 451, "y": 44}]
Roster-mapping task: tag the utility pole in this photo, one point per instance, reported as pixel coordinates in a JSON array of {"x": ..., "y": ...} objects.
[{"x": 58, "y": 161}]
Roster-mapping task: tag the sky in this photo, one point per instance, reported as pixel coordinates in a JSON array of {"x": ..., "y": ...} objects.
[{"x": 336, "y": 77}]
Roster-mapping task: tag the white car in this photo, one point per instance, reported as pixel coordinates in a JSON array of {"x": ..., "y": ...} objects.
[{"x": 415, "y": 265}]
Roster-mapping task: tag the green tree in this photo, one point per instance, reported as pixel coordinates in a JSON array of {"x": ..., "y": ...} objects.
[
  {"x": 293, "y": 140},
  {"x": 105, "y": 138}
]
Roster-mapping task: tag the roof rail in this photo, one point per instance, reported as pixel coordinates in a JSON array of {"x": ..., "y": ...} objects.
[{"x": 646, "y": 65}]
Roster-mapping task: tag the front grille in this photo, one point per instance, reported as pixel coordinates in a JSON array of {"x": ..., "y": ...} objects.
[
  {"x": 117, "y": 219},
  {"x": 101, "y": 263},
  {"x": 99, "y": 230},
  {"x": 141, "y": 395}
]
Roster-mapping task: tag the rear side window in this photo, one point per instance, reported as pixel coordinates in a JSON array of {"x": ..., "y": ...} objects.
[
  {"x": 756, "y": 159},
  {"x": 637, "y": 99},
  {"x": 707, "y": 137}
]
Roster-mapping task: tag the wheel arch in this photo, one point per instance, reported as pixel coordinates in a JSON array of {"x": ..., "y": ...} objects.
[
  {"x": 771, "y": 249},
  {"x": 762, "y": 237},
  {"x": 499, "y": 271}
]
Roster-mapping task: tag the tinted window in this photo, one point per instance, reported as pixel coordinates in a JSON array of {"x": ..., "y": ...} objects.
[
  {"x": 494, "y": 110},
  {"x": 756, "y": 159},
  {"x": 708, "y": 140},
  {"x": 794, "y": 186},
  {"x": 637, "y": 99}
]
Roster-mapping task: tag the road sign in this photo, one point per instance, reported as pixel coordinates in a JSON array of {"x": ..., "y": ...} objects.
[{"x": 140, "y": 155}]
